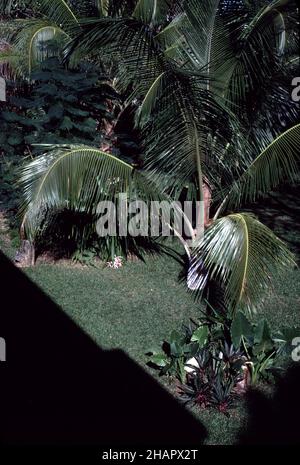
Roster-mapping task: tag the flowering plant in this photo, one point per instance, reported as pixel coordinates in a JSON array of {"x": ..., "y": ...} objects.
[{"x": 115, "y": 263}]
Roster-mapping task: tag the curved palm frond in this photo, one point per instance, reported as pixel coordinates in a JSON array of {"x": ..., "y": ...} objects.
[
  {"x": 244, "y": 256},
  {"x": 103, "y": 7},
  {"x": 77, "y": 178},
  {"x": 198, "y": 39},
  {"x": 169, "y": 123},
  {"x": 5, "y": 6},
  {"x": 200, "y": 31},
  {"x": 261, "y": 46},
  {"x": 131, "y": 44},
  {"x": 148, "y": 104},
  {"x": 151, "y": 12},
  {"x": 238, "y": 45},
  {"x": 59, "y": 12},
  {"x": 31, "y": 41},
  {"x": 264, "y": 13},
  {"x": 277, "y": 162}
]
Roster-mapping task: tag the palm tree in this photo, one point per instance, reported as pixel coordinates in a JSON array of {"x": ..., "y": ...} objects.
[
  {"x": 193, "y": 74},
  {"x": 188, "y": 82}
]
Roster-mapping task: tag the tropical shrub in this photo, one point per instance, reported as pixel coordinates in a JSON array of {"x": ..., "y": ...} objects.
[
  {"x": 212, "y": 382},
  {"x": 217, "y": 358},
  {"x": 58, "y": 107}
]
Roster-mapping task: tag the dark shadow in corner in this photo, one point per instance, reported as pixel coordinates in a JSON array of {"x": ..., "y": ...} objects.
[
  {"x": 59, "y": 388},
  {"x": 275, "y": 420},
  {"x": 280, "y": 211}
]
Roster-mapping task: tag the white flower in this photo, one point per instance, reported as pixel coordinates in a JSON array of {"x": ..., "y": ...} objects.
[{"x": 116, "y": 263}]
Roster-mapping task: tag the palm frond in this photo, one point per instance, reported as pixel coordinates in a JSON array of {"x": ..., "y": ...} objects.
[
  {"x": 186, "y": 103},
  {"x": 151, "y": 12},
  {"x": 201, "y": 29},
  {"x": 59, "y": 12},
  {"x": 263, "y": 15},
  {"x": 32, "y": 41},
  {"x": 139, "y": 56},
  {"x": 170, "y": 33},
  {"x": 277, "y": 162},
  {"x": 103, "y": 7},
  {"x": 244, "y": 256},
  {"x": 5, "y": 6},
  {"x": 77, "y": 178},
  {"x": 150, "y": 99},
  {"x": 260, "y": 46}
]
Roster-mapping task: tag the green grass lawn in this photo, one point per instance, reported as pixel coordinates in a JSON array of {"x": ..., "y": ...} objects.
[{"x": 134, "y": 308}]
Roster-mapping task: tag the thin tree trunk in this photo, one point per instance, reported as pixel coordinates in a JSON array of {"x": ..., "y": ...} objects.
[{"x": 25, "y": 255}]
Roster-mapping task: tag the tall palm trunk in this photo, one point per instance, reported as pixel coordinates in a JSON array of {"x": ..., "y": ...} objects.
[{"x": 204, "y": 195}]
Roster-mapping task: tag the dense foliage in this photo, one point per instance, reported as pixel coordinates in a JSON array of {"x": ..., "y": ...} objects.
[
  {"x": 59, "y": 107},
  {"x": 215, "y": 359},
  {"x": 209, "y": 89}
]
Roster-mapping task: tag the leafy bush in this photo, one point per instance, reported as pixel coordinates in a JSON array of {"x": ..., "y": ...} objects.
[
  {"x": 211, "y": 383},
  {"x": 215, "y": 359},
  {"x": 176, "y": 350},
  {"x": 68, "y": 107},
  {"x": 9, "y": 194},
  {"x": 60, "y": 107}
]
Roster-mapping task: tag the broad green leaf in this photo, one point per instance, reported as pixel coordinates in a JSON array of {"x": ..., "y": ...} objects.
[
  {"x": 177, "y": 337},
  {"x": 200, "y": 336},
  {"x": 66, "y": 124},
  {"x": 262, "y": 337},
  {"x": 159, "y": 360},
  {"x": 56, "y": 111},
  {"x": 176, "y": 349},
  {"x": 288, "y": 337},
  {"x": 15, "y": 139},
  {"x": 240, "y": 327}
]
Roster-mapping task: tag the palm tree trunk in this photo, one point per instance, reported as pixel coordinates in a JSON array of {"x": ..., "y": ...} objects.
[{"x": 204, "y": 196}]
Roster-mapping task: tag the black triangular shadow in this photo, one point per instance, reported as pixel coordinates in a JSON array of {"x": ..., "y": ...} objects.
[
  {"x": 274, "y": 420},
  {"x": 58, "y": 387}
]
